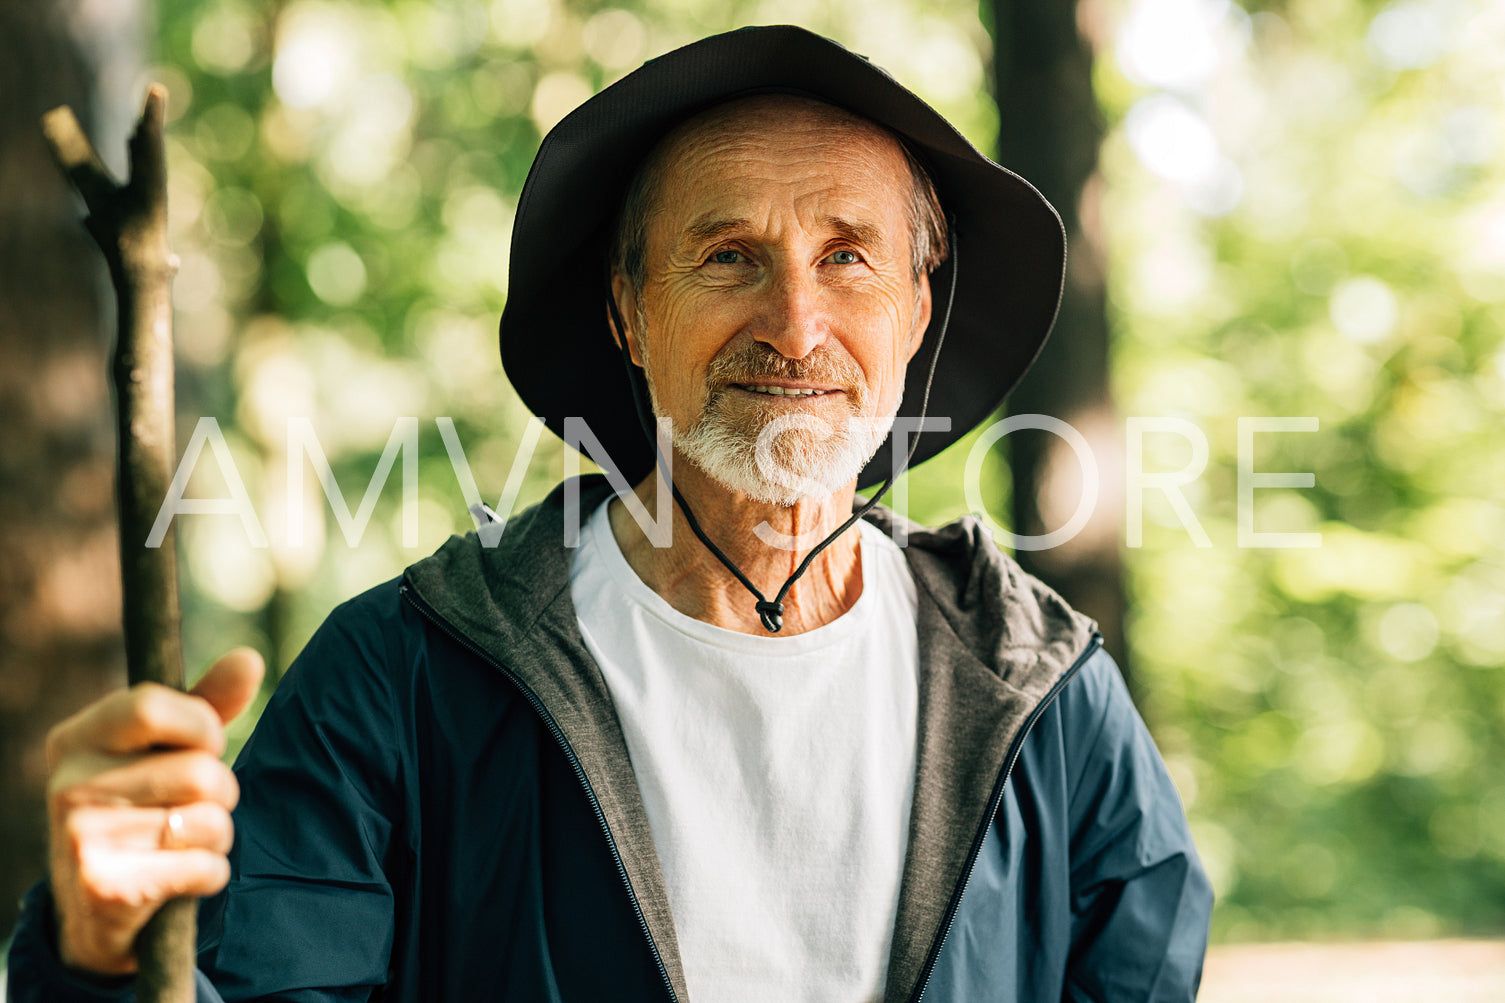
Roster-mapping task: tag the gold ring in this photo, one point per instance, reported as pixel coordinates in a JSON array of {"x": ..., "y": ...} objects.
[{"x": 172, "y": 833}]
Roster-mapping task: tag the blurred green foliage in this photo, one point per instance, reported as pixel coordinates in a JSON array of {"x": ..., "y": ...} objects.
[
  {"x": 1303, "y": 206},
  {"x": 1331, "y": 243}
]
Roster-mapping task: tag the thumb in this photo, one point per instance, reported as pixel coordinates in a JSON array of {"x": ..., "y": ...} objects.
[{"x": 232, "y": 682}]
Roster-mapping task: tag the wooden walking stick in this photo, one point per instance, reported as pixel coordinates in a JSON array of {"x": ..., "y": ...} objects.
[{"x": 129, "y": 223}]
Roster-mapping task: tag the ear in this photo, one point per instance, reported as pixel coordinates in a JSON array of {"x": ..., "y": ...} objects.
[
  {"x": 922, "y": 315},
  {"x": 626, "y": 300}
]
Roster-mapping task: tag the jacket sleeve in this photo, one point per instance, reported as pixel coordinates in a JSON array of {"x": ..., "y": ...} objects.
[
  {"x": 309, "y": 911},
  {"x": 308, "y": 914},
  {"x": 1140, "y": 901},
  {"x": 36, "y": 973}
]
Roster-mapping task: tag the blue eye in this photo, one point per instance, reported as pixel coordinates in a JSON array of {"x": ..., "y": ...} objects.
[
  {"x": 843, "y": 258},
  {"x": 726, "y": 257}
]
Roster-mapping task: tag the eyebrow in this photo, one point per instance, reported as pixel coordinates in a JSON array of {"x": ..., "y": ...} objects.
[
  {"x": 856, "y": 231},
  {"x": 708, "y": 229}
]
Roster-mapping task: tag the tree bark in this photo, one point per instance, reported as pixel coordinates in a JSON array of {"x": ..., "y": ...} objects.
[
  {"x": 1049, "y": 131},
  {"x": 60, "y": 633}
]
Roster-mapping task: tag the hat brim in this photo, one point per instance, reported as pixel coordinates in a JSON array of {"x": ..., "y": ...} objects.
[{"x": 556, "y": 345}]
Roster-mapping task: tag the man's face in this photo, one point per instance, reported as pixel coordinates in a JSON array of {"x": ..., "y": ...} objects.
[{"x": 779, "y": 296}]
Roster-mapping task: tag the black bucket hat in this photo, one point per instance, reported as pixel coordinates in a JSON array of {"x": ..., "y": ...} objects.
[{"x": 555, "y": 341}]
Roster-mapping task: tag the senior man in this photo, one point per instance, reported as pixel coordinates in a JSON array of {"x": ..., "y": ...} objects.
[{"x": 751, "y": 749}]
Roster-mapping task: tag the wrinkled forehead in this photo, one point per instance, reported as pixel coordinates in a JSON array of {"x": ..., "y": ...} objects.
[
  {"x": 747, "y": 125},
  {"x": 774, "y": 112}
]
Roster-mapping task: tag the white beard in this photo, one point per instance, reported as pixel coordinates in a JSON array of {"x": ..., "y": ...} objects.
[
  {"x": 794, "y": 457},
  {"x": 780, "y": 459}
]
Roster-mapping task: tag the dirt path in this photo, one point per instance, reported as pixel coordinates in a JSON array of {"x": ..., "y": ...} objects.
[{"x": 1443, "y": 971}]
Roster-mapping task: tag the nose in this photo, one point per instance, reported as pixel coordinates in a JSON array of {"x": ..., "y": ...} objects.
[{"x": 792, "y": 320}]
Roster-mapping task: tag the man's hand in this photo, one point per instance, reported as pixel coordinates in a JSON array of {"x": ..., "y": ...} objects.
[{"x": 139, "y": 808}]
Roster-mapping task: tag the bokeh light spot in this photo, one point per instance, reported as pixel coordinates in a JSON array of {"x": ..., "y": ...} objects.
[
  {"x": 1408, "y": 631},
  {"x": 1175, "y": 43},
  {"x": 614, "y": 38},
  {"x": 519, "y": 24},
  {"x": 232, "y": 216},
  {"x": 1406, "y": 36},
  {"x": 336, "y": 274},
  {"x": 224, "y": 40},
  {"x": 315, "y": 59},
  {"x": 556, "y": 96},
  {"x": 225, "y": 132},
  {"x": 1364, "y": 309},
  {"x": 1172, "y": 140}
]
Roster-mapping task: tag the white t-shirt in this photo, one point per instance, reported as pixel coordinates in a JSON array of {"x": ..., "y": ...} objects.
[{"x": 777, "y": 773}]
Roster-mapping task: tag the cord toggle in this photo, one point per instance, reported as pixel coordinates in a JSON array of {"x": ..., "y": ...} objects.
[{"x": 772, "y": 614}]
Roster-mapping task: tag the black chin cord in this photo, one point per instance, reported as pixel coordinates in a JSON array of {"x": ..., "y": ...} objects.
[{"x": 771, "y": 612}]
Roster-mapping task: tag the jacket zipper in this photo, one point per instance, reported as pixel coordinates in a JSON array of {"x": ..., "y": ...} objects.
[
  {"x": 433, "y": 617},
  {"x": 1009, "y": 760}
]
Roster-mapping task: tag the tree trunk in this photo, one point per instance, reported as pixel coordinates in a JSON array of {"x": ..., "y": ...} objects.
[
  {"x": 1049, "y": 130},
  {"x": 60, "y": 629}
]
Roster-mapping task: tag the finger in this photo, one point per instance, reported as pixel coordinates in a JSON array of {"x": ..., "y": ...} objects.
[
  {"x": 111, "y": 874},
  {"x": 162, "y": 779},
  {"x": 136, "y": 719},
  {"x": 232, "y": 682},
  {"x": 119, "y": 883},
  {"x": 117, "y": 892},
  {"x": 203, "y": 825}
]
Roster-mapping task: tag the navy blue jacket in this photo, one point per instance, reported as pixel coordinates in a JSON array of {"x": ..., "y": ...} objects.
[{"x": 437, "y": 805}]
